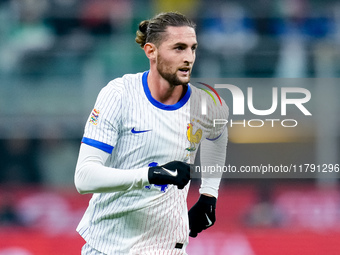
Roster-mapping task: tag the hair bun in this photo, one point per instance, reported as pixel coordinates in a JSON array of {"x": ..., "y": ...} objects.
[
  {"x": 141, "y": 33},
  {"x": 143, "y": 26}
]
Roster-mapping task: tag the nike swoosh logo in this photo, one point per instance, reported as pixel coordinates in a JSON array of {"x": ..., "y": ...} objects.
[
  {"x": 172, "y": 173},
  {"x": 133, "y": 131},
  {"x": 209, "y": 221}
]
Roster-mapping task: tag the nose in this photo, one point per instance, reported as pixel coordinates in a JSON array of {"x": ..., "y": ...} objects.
[{"x": 189, "y": 56}]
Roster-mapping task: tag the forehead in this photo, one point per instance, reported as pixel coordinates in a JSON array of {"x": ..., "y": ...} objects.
[{"x": 183, "y": 34}]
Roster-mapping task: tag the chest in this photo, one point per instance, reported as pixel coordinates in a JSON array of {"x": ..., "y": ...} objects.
[{"x": 154, "y": 129}]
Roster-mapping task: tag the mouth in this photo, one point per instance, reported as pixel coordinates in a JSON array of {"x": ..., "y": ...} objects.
[{"x": 184, "y": 70}]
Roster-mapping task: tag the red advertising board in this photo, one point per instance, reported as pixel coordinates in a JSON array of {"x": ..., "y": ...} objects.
[{"x": 41, "y": 222}]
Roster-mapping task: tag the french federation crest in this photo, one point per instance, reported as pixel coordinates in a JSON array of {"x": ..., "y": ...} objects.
[{"x": 194, "y": 136}]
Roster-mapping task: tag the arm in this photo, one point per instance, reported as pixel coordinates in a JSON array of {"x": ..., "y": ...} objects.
[
  {"x": 213, "y": 153},
  {"x": 92, "y": 176},
  {"x": 202, "y": 214}
]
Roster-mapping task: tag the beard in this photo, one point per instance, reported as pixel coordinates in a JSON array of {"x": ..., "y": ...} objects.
[{"x": 168, "y": 75}]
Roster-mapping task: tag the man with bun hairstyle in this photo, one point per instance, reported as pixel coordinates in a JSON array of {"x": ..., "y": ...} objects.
[{"x": 136, "y": 150}]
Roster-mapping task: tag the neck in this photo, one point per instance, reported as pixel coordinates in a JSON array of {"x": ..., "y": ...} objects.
[{"x": 162, "y": 91}]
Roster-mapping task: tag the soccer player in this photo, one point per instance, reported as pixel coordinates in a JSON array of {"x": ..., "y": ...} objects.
[{"x": 139, "y": 141}]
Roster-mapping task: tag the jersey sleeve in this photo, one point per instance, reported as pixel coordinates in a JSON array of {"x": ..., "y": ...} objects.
[
  {"x": 219, "y": 119},
  {"x": 213, "y": 153},
  {"x": 103, "y": 125}
]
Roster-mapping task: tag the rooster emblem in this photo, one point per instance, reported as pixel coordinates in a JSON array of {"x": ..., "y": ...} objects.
[{"x": 193, "y": 138}]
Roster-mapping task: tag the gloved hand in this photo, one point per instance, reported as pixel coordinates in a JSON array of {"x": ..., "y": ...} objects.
[
  {"x": 202, "y": 215},
  {"x": 175, "y": 172}
]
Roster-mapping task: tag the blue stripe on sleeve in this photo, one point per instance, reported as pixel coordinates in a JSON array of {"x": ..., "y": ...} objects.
[
  {"x": 99, "y": 145},
  {"x": 213, "y": 139}
]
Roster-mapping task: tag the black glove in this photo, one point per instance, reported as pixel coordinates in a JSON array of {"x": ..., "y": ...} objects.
[
  {"x": 175, "y": 172},
  {"x": 202, "y": 215}
]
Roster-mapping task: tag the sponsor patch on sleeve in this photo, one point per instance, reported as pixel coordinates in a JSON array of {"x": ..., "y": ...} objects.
[{"x": 94, "y": 116}]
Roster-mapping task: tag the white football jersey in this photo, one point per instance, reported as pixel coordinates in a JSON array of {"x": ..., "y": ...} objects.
[{"x": 139, "y": 131}]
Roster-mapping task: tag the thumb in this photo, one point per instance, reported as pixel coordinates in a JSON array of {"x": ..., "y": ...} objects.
[{"x": 192, "y": 234}]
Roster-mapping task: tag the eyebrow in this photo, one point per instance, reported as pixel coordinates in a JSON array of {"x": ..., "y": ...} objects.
[{"x": 185, "y": 45}]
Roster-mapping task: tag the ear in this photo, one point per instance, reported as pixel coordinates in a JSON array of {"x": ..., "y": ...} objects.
[{"x": 150, "y": 51}]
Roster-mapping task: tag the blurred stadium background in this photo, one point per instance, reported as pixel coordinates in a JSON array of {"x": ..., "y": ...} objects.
[{"x": 55, "y": 56}]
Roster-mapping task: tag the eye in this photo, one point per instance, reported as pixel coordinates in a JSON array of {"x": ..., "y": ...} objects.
[{"x": 179, "y": 48}]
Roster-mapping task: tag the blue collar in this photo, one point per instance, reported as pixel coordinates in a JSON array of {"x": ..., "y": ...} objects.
[{"x": 159, "y": 105}]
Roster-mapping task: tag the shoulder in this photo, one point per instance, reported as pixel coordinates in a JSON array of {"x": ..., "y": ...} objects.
[
  {"x": 126, "y": 80},
  {"x": 132, "y": 79},
  {"x": 209, "y": 102},
  {"x": 118, "y": 86}
]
